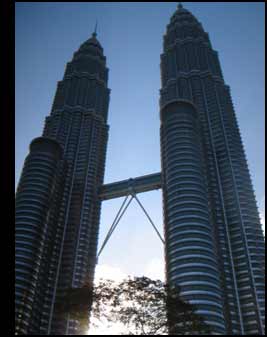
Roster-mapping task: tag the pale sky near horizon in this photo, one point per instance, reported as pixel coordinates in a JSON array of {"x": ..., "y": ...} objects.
[{"x": 47, "y": 35}]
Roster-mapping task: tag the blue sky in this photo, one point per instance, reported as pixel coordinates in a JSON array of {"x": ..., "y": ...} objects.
[{"x": 47, "y": 35}]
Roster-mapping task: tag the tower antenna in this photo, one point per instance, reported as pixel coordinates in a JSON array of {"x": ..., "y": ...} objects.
[{"x": 94, "y": 34}]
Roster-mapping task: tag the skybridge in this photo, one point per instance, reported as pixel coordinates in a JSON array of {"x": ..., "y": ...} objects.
[{"x": 126, "y": 187}]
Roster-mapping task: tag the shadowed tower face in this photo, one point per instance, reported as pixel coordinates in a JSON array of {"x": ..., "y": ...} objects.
[
  {"x": 214, "y": 242},
  {"x": 57, "y": 203}
]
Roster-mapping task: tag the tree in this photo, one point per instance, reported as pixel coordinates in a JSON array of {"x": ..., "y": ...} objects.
[{"x": 142, "y": 305}]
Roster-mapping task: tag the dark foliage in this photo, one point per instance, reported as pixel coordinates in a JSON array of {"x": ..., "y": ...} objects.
[{"x": 142, "y": 305}]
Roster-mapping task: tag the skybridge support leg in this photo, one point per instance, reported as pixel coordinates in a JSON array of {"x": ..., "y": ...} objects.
[
  {"x": 155, "y": 228},
  {"x": 115, "y": 223},
  {"x": 120, "y": 214}
]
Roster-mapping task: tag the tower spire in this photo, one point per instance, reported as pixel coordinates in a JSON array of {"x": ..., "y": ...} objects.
[
  {"x": 180, "y": 6},
  {"x": 94, "y": 33}
]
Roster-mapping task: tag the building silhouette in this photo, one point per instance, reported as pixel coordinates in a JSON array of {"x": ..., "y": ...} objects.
[
  {"x": 214, "y": 246},
  {"x": 214, "y": 242},
  {"x": 57, "y": 221}
]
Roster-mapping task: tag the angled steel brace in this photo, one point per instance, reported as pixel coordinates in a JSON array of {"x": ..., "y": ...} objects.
[
  {"x": 115, "y": 223},
  {"x": 119, "y": 216},
  {"x": 155, "y": 228}
]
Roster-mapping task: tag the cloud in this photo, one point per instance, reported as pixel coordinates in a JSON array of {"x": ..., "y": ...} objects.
[
  {"x": 155, "y": 269},
  {"x": 109, "y": 272}
]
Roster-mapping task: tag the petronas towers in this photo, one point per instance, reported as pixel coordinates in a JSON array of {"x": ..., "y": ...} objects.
[{"x": 214, "y": 245}]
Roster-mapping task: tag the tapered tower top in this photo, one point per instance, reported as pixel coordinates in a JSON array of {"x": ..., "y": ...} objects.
[
  {"x": 94, "y": 41},
  {"x": 183, "y": 24},
  {"x": 92, "y": 45},
  {"x": 89, "y": 58},
  {"x": 180, "y": 8}
]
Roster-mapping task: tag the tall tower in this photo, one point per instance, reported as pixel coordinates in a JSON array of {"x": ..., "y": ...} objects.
[
  {"x": 57, "y": 202},
  {"x": 214, "y": 241}
]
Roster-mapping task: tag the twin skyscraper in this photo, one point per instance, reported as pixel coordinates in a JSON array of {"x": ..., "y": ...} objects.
[{"x": 214, "y": 245}]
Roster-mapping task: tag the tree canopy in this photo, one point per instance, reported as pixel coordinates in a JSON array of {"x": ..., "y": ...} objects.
[{"x": 141, "y": 305}]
